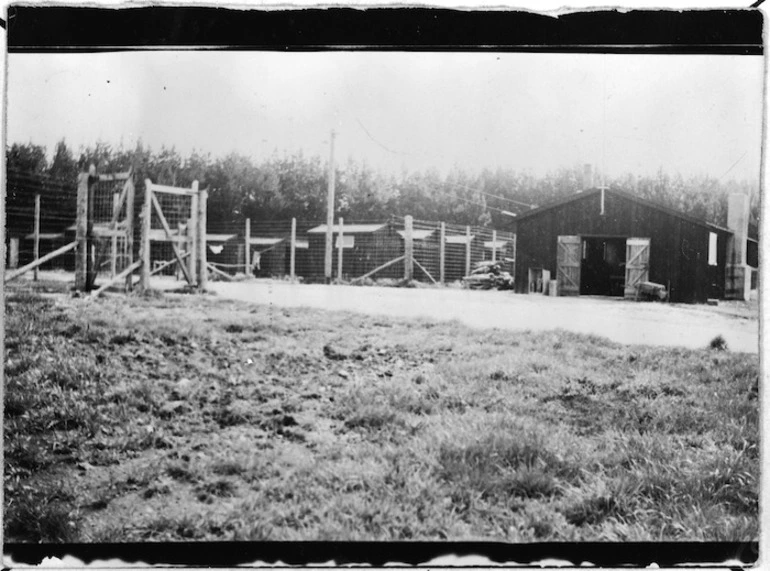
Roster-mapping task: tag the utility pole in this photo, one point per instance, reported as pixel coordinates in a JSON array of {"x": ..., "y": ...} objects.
[{"x": 330, "y": 214}]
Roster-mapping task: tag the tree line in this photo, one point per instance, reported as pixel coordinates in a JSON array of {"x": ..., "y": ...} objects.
[{"x": 287, "y": 185}]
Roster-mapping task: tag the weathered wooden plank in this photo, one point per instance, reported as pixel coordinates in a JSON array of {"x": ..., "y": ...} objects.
[
  {"x": 167, "y": 263},
  {"x": 145, "y": 238},
  {"x": 174, "y": 190},
  {"x": 340, "y": 248},
  {"x": 217, "y": 271},
  {"x": 426, "y": 272},
  {"x": 81, "y": 228},
  {"x": 121, "y": 276},
  {"x": 293, "y": 246},
  {"x": 408, "y": 248},
  {"x": 442, "y": 254},
  {"x": 203, "y": 275},
  {"x": 36, "y": 232},
  {"x": 50, "y": 256},
  {"x": 379, "y": 268},
  {"x": 170, "y": 237}
]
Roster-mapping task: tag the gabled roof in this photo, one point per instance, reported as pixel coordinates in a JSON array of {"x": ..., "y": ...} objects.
[
  {"x": 417, "y": 234},
  {"x": 257, "y": 241},
  {"x": 459, "y": 239},
  {"x": 643, "y": 201},
  {"x": 219, "y": 237},
  {"x": 348, "y": 228},
  {"x": 45, "y": 236}
]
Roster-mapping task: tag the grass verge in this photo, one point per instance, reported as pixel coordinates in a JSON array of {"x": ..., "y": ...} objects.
[{"x": 182, "y": 417}]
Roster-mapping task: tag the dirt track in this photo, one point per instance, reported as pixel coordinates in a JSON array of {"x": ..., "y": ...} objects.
[{"x": 621, "y": 321}]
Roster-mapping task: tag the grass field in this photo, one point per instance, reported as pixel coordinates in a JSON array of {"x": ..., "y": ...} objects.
[{"x": 183, "y": 417}]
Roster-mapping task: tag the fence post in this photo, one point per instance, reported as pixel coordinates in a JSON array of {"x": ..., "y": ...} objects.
[
  {"x": 467, "y": 250},
  {"x": 145, "y": 240},
  {"x": 408, "y": 248},
  {"x": 13, "y": 261},
  {"x": 129, "y": 242},
  {"x": 183, "y": 248},
  {"x": 91, "y": 269},
  {"x": 329, "y": 214},
  {"x": 339, "y": 251},
  {"x": 293, "y": 246},
  {"x": 192, "y": 233},
  {"x": 203, "y": 275},
  {"x": 81, "y": 229},
  {"x": 494, "y": 246},
  {"x": 247, "y": 247},
  {"x": 114, "y": 237},
  {"x": 442, "y": 254},
  {"x": 36, "y": 245}
]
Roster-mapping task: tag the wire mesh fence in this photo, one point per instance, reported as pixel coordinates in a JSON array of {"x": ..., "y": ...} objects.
[
  {"x": 367, "y": 249},
  {"x": 362, "y": 250},
  {"x": 57, "y": 217}
]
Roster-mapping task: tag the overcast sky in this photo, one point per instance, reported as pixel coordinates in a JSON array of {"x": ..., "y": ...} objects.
[{"x": 535, "y": 112}]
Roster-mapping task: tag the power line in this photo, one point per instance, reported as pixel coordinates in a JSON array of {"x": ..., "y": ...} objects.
[
  {"x": 368, "y": 134},
  {"x": 732, "y": 166},
  {"x": 493, "y": 195}
]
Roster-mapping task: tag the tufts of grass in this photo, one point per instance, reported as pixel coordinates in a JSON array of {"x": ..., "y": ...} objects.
[
  {"x": 40, "y": 519},
  {"x": 718, "y": 343},
  {"x": 228, "y": 468},
  {"x": 372, "y": 417},
  {"x": 414, "y": 440},
  {"x": 503, "y": 465}
]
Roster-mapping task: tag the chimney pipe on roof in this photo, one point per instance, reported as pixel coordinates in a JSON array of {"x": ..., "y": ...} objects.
[
  {"x": 738, "y": 278},
  {"x": 588, "y": 177}
]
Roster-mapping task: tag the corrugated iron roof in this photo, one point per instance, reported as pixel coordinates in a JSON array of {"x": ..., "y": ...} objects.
[
  {"x": 461, "y": 239},
  {"x": 417, "y": 234},
  {"x": 348, "y": 228},
  {"x": 219, "y": 237},
  {"x": 258, "y": 241},
  {"x": 623, "y": 194},
  {"x": 45, "y": 235}
]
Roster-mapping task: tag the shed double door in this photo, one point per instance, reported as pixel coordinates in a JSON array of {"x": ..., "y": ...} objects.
[
  {"x": 568, "y": 257},
  {"x": 569, "y": 254},
  {"x": 637, "y": 265}
]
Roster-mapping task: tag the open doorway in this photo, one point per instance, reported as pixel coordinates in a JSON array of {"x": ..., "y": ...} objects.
[{"x": 602, "y": 267}]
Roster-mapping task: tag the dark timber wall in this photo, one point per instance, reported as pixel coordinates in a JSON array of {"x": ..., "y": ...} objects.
[
  {"x": 370, "y": 250},
  {"x": 678, "y": 245}
]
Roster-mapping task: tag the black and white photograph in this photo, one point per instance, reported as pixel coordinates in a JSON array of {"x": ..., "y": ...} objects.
[{"x": 382, "y": 282}]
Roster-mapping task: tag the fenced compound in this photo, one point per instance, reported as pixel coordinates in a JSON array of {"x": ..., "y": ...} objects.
[
  {"x": 163, "y": 230},
  {"x": 362, "y": 250},
  {"x": 40, "y": 214}
]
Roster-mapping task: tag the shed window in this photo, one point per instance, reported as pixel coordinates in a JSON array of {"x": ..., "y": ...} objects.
[
  {"x": 347, "y": 241},
  {"x": 712, "y": 249}
]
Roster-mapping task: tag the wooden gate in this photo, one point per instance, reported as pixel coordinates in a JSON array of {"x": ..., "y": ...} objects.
[
  {"x": 172, "y": 217},
  {"x": 110, "y": 225},
  {"x": 637, "y": 265},
  {"x": 568, "y": 265}
]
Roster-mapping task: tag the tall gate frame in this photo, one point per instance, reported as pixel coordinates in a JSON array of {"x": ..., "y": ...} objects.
[
  {"x": 190, "y": 234},
  {"x": 105, "y": 210}
]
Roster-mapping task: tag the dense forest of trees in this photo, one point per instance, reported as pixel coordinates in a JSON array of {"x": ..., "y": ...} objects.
[{"x": 294, "y": 185}]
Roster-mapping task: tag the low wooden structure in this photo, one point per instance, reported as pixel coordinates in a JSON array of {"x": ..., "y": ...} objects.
[
  {"x": 608, "y": 242},
  {"x": 365, "y": 247}
]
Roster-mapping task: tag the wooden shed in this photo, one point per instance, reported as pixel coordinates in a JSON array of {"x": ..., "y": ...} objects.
[
  {"x": 426, "y": 251},
  {"x": 606, "y": 242},
  {"x": 365, "y": 247},
  {"x": 456, "y": 265}
]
